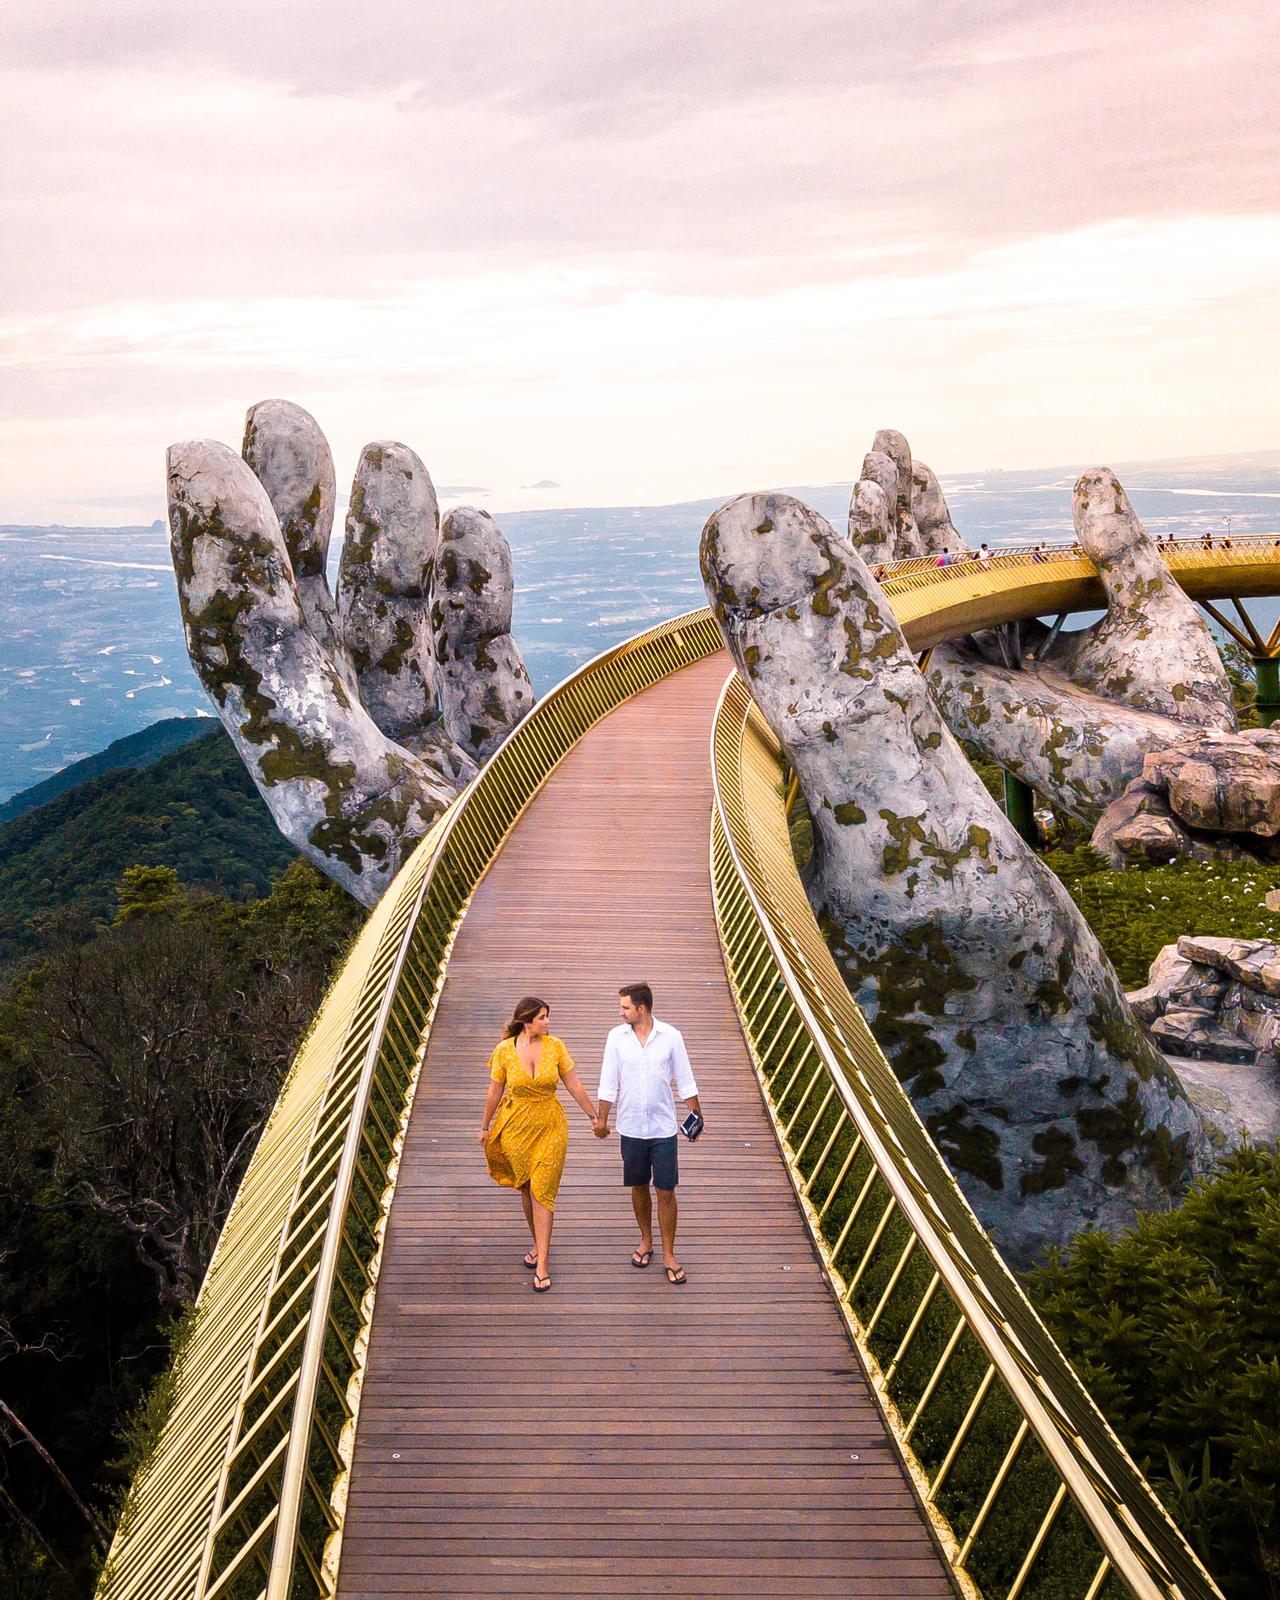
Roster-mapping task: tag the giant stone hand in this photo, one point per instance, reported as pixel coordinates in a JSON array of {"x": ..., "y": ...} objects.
[
  {"x": 335, "y": 706},
  {"x": 1072, "y": 714},
  {"x": 981, "y": 981}
]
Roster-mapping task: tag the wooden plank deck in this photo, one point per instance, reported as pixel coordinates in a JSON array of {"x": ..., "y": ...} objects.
[{"x": 616, "y": 1437}]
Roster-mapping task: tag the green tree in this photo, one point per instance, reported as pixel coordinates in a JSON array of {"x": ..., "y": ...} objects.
[
  {"x": 136, "y": 1068},
  {"x": 147, "y": 892},
  {"x": 1174, "y": 1326}
]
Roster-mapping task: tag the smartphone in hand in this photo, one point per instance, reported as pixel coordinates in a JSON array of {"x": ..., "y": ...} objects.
[{"x": 692, "y": 1126}]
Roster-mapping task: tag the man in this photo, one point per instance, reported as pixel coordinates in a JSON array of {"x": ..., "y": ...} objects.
[{"x": 642, "y": 1058}]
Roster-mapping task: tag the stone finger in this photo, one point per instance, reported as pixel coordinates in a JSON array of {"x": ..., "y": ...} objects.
[
  {"x": 889, "y": 442},
  {"x": 1152, "y": 650},
  {"x": 384, "y": 600},
  {"x": 484, "y": 686},
  {"x": 290, "y": 457},
  {"x": 870, "y": 532},
  {"x": 1074, "y": 748},
  {"x": 933, "y": 517}
]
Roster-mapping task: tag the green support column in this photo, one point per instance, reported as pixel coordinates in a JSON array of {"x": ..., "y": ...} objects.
[
  {"x": 1020, "y": 808},
  {"x": 1266, "y": 673}
]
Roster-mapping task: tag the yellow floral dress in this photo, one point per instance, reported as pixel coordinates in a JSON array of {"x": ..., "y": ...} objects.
[{"x": 529, "y": 1135}]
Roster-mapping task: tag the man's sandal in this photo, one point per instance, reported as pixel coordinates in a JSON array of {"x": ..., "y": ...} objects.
[
  {"x": 641, "y": 1258},
  {"x": 540, "y": 1284},
  {"x": 530, "y": 1264},
  {"x": 675, "y": 1275}
]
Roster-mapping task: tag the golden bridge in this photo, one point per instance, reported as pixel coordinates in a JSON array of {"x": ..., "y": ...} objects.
[{"x": 852, "y": 1395}]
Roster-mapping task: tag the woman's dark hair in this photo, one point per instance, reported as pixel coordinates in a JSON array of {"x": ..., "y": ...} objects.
[
  {"x": 639, "y": 994},
  {"x": 526, "y": 1010}
]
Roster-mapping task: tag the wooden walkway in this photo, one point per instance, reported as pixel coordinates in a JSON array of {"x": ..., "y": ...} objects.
[{"x": 616, "y": 1437}]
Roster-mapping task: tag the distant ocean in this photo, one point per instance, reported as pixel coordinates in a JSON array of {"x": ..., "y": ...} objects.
[{"x": 91, "y": 644}]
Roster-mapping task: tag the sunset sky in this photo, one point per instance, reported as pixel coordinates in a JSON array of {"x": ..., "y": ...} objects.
[{"x": 649, "y": 253}]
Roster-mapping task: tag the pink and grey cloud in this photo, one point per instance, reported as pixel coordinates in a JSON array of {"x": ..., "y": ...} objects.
[{"x": 642, "y": 252}]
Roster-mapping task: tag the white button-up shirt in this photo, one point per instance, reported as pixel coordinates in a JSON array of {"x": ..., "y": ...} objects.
[{"x": 637, "y": 1079}]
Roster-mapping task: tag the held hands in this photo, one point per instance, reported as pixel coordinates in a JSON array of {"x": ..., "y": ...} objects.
[{"x": 600, "y": 1127}]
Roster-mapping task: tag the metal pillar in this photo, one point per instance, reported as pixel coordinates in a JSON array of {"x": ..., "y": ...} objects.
[
  {"x": 1020, "y": 807},
  {"x": 1266, "y": 674}
]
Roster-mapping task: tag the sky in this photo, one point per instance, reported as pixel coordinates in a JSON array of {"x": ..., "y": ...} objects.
[{"x": 582, "y": 252}]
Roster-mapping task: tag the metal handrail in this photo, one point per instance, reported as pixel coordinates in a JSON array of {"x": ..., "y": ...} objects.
[
  {"x": 848, "y": 1130},
  {"x": 1196, "y": 545},
  {"x": 244, "y": 1493}
]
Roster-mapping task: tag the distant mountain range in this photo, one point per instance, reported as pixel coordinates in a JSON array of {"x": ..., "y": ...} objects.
[{"x": 136, "y": 751}]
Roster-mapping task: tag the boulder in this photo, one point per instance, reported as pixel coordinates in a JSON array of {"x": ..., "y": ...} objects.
[
  {"x": 1215, "y": 999},
  {"x": 1209, "y": 796},
  {"x": 1197, "y": 1035},
  {"x": 1138, "y": 829},
  {"x": 1254, "y": 962},
  {"x": 1220, "y": 782}
]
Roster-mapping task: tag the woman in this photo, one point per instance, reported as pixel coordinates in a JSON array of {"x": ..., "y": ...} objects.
[{"x": 525, "y": 1143}]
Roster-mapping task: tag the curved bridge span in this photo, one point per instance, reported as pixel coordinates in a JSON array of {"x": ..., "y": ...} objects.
[{"x": 851, "y": 1395}]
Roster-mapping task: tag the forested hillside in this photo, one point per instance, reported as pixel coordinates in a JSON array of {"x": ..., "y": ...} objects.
[
  {"x": 136, "y": 1069},
  {"x": 195, "y": 810},
  {"x": 135, "y": 750}
]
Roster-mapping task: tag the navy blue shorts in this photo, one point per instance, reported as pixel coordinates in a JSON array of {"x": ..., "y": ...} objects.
[{"x": 643, "y": 1159}]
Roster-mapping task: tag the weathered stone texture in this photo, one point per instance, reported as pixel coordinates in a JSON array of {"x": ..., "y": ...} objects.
[
  {"x": 344, "y": 793},
  {"x": 484, "y": 687},
  {"x": 983, "y": 984},
  {"x": 1214, "y": 999},
  {"x": 1212, "y": 796},
  {"x": 290, "y": 457},
  {"x": 933, "y": 518},
  {"x": 310, "y": 691},
  {"x": 1152, "y": 651},
  {"x": 1074, "y": 716},
  {"x": 384, "y": 593},
  {"x": 1068, "y": 744}
]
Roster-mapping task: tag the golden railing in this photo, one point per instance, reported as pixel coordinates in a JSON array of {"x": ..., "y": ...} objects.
[
  {"x": 244, "y": 1493},
  {"x": 1028, "y": 1489},
  {"x": 1012, "y": 584}
]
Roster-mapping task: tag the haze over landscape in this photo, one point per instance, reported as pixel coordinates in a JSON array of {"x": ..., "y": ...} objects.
[{"x": 91, "y": 642}]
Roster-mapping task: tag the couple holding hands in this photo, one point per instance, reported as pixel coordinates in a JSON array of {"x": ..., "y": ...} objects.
[{"x": 525, "y": 1134}]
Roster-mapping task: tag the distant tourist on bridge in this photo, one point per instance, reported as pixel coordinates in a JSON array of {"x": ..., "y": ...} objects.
[
  {"x": 643, "y": 1058},
  {"x": 526, "y": 1141}
]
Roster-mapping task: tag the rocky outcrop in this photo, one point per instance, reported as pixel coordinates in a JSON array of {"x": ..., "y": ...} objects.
[
  {"x": 1209, "y": 797},
  {"x": 1214, "y": 999},
  {"x": 333, "y": 707},
  {"x": 980, "y": 979},
  {"x": 484, "y": 688}
]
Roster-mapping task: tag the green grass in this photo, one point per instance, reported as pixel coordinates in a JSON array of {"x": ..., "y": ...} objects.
[{"x": 1136, "y": 912}]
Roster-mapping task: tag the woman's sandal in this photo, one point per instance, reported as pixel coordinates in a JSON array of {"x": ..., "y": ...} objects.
[
  {"x": 675, "y": 1275},
  {"x": 641, "y": 1258},
  {"x": 540, "y": 1284},
  {"x": 530, "y": 1264}
]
